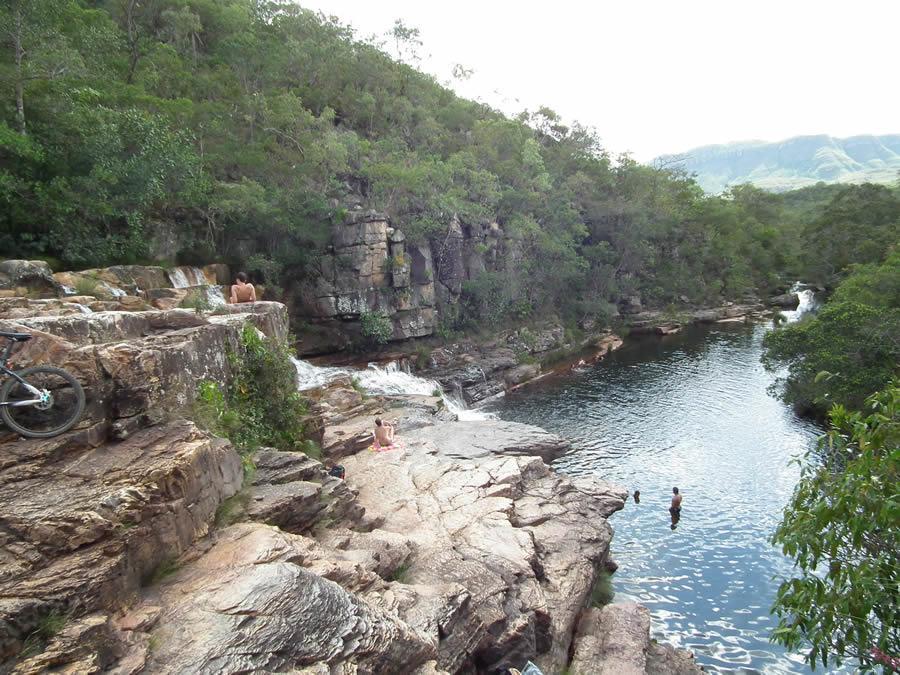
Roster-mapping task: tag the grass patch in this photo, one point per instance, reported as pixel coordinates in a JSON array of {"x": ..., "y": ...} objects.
[
  {"x": 400, "y": 574},
  {"x": 87, "y": 286},
  {"x": 603, "y": 592},
  {"x": 232, "y": 509},
  {"x": 525, "y": 358},
  {"x": 197, "y": 301},
  {"x": 355, "y": 383},
  {"x": 423, "y": 357},
  {"x": 48, "y": 626},
  {"x": 164, "y": 570}
]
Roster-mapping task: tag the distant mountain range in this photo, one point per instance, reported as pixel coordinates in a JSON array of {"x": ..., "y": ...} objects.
[{"x": 793, "y": 163}]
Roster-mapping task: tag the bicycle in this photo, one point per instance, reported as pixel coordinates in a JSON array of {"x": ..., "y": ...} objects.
[{"x": 41, "y": 401}]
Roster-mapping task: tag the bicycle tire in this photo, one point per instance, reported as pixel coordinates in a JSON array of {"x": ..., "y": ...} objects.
[{"x": 72, "y": 417}]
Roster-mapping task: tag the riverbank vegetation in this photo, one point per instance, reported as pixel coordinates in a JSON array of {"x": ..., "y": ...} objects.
[
  {"x": 849, "y": 349},
  {"x": 241, "y": 129},
  {"x": 841, "y": 528},
  {"x": 261, "y": 406}
]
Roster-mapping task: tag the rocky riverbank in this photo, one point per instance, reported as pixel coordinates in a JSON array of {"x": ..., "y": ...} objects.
[{"x": 137, "y": 543}]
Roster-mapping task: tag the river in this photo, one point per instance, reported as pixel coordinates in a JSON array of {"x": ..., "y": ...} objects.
[{"x": 690, "y": 410}]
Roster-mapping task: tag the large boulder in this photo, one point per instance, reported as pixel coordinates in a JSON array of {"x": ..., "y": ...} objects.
[
  {"x": 250, "y": 605},
  {"x": 615, "y": 640},
  {"x": 470, "y": 440},
  {"x": 786, "y": 300},
  {"x": 27, "y": 277},
  {"x": 504, "y": 552},
  {"x": 85, "y": 524}
]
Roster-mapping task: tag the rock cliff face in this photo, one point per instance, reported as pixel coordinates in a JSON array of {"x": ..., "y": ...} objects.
[
  {"x": 371, "y": 267},
  {"x": 134, "y": 544}
]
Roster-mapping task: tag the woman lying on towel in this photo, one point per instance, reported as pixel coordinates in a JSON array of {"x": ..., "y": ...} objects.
[{"x": 384, "y": 437}]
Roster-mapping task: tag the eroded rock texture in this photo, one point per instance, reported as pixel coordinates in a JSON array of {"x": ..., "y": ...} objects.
[{"x": 85, "y": 523}]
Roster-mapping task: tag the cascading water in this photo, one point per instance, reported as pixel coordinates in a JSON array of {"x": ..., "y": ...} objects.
[
  {"x": 389, "y": 380},
  {"x": 808, "y": 302},
  {"x": 185, "y": 276}
]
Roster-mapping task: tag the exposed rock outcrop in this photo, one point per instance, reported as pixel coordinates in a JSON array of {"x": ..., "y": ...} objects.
[
  {"x": 786, "y": 301},
  {"x": 615, "y": 640},
  {"x": 85, "y": 523}
]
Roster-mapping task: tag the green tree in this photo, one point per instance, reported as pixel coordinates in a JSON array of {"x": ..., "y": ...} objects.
[
  {"x": 850, "y": 349},
  {"x": 841, "y": 528}
]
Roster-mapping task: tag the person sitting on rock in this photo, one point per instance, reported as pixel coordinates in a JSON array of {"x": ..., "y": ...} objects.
[
  {"x": 242, "y": 291},
  {"x": 384, "y": 435}
]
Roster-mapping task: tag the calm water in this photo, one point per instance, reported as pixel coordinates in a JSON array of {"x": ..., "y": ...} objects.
[{"x": 691, "y": 411}]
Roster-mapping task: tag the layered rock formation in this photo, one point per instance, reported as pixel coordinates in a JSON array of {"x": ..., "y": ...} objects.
[
  {"x": 370, "y": 267},
  {"x": 133, "y": 543}
]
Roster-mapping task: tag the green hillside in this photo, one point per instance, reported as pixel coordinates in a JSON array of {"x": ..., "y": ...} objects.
[
  {"x": 793, "y": 163},
  {"x": 243, "y": 130}
]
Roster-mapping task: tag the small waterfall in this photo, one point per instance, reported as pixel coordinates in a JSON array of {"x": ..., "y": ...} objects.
[
  {"x": 312, "y": 377},
  {"x": 184, "y": 276},
  {"x": 214, "y": 296},
  {"x": 82, "y": 308},
  {"x": 389, "y": 380},
  {"x": 808, "y": 302}
]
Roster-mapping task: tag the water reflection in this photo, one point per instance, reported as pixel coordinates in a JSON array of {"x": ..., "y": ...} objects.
[{"x": 690, "y": 410}]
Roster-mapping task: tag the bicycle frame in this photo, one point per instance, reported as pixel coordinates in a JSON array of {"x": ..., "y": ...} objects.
[{"x": 6, "y": 371}]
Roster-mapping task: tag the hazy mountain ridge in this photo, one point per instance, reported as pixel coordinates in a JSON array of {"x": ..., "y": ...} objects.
[{"x": 793, "y": 163}]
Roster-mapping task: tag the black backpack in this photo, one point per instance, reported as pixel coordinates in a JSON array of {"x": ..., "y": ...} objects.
[{"x": 337, "y": 471}]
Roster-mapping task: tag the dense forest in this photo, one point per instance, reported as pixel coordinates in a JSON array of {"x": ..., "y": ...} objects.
[
  {"x": 247, "y": 127},
  {"x": 243, "y": 130}
]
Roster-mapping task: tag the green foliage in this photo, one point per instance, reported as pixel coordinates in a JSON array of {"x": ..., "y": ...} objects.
[
  {"x": 249, "y": 126},
  {"x": 48, "y": 626},
  {"x": 849, "y": 349},
  {"x": 86, "y": 286},
  {"x": 261, "y": 406},
  {"x": 841, "y": 529},
  {"x": 376, "y": 326},
  {"x": 423, "y": 357},
  {"x": 400, "y": 574},
  {"x": 197, "y": 301},
  {"x": 163, "y": 571},
  {"x": 602, "y": 592}
]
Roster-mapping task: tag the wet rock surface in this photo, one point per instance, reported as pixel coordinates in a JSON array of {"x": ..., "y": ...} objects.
[{"x": 615, "y": 640}]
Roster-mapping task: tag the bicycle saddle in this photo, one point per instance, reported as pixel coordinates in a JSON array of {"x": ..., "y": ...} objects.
[{"x": 17, "y": 337}]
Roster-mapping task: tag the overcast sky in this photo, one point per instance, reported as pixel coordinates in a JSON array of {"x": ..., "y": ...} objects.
[{"x": 664, "y": 76}]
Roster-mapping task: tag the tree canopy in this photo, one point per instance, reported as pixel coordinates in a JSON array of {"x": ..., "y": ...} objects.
[{"x": 243, "y": 128}]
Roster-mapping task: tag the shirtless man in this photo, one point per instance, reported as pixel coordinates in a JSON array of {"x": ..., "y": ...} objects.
[
  {"x": 384, "y": 434},
  {"x": 242, "y": 291},
  {"x": 676, "y": 502}
]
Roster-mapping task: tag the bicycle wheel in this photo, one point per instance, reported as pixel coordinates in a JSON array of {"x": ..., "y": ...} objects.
[{"x": 61, "y": 408}]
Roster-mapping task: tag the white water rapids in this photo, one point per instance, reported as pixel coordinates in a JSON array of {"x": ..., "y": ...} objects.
[
  {"x": 184, "y": 276},
  {"x": 389, "y": 380}
]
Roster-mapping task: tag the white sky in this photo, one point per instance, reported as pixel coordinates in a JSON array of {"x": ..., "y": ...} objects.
[{"x": 663, "y": 76}]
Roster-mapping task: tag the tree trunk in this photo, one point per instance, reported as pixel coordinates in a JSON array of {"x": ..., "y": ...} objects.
[
  {"x": 20, "y": 76},
  {"x": 135, "y": 54}
]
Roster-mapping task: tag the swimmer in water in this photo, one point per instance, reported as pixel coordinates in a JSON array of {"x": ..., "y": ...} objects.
[{"x": 676, "y": 502}]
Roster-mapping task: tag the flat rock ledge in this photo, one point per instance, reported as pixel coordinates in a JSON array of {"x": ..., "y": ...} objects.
[{"x": 459, "y": 552}]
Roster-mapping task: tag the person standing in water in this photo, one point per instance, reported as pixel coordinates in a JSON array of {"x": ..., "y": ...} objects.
[
  {"x": 675, "y": 508},
  {"x": 676, "y": 502},
  {"x": 637, "y": 496},
  {"x": 242, "y": 291}
]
